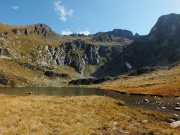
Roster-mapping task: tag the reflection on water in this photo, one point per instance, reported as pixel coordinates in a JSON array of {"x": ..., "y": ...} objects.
[{"x": 163, "y": 104}]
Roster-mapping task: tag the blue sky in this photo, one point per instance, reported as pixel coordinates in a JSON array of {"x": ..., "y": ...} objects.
[{"x": 87, "y": 16}]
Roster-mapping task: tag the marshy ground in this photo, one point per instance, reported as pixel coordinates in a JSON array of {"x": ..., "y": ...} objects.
[{"x": 79, "y": 115}]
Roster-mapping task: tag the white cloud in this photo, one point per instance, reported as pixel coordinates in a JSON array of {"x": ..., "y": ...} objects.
[
  {"x": 15, "y": 7},
  {"x": 62, "y": 12},
  {"x": 66, "y": 32},
  {"x": 86, "y": 32}
]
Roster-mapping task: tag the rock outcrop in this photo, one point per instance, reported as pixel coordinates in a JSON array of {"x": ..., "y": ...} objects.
[
  {"x": 117, "y": 35},
  {"x": 39, "y": 29}
]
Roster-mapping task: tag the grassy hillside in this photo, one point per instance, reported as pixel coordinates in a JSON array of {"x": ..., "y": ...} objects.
[
  {"x": 19, "y": 52},
  {"x": 162, "y": 81}
]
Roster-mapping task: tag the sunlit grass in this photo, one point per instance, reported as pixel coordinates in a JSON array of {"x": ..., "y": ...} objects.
[
  {"x": 76, "y": 115},
  {"x": 160, "y": 82}
]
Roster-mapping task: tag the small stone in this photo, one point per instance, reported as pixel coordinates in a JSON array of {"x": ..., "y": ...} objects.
[
  {"x": 175, "y": 115},
  {"x": 146, "y": 100},
  {"x": 177, "y": 105},
  {"x": 163, "y": 107},
  {"x": 115, "y": 123},
  {"x": 177, "y": 108},
  {"x": 30, "y": 93},
  {"x": 144, "y": 121}
]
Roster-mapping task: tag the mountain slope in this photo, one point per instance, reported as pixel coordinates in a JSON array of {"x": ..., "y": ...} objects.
[
  {"x": 156, "y": 80},
  {"x": 159, "y": 48},
  {"x": 31, "y": 51},
  {"x": 27, "y": 52}
]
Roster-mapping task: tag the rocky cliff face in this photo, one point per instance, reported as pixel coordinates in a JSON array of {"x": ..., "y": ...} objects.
[{"x": 79, "y": 54}]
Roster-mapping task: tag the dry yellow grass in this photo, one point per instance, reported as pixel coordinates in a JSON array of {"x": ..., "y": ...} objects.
[
  {"x": 47, "y": 115},
  {"x": 160, "y": 82}
]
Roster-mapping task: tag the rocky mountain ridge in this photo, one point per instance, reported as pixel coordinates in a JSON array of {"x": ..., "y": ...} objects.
[
  {"x": 159, "y": 48},
  {"x": 102, "y": 54}
]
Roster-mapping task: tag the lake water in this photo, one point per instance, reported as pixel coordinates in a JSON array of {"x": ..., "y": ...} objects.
[{"x": 162, "y": 104}]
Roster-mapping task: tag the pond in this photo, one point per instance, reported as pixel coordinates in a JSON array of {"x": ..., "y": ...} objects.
[{"x": 162, "y": 104}]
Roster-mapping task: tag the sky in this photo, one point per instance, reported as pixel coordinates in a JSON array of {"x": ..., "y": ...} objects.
[{"x": 88, "y": 16}]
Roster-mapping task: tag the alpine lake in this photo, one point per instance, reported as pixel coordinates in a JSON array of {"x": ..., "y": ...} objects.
[{"x": 147, "y": 102}]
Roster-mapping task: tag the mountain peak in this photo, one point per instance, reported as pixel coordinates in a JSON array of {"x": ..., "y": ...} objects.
[
  {"x": 43, "y": 29},
  {"x": 167, "y": 26}
]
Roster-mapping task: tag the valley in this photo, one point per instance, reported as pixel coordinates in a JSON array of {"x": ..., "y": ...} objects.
[{"x": 35, "y": 56}]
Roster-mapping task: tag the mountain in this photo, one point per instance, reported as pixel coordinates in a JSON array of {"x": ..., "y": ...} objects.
[
  {"x": 35, "y": 55},
  {"x": 159, "y": 48},
  {"x": 166, "y": 29}
]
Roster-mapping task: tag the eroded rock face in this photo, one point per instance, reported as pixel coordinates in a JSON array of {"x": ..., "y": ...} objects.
[{"x": 78, "y": 54}]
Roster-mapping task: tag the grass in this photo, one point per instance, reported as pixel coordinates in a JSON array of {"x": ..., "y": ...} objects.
[
  {"x": 160, "y": 82},
  {"x": 77, "y": 115},
  {"x": 20, "y": 76},
  {"x": 89, "y": 69},
  {"x": 67, "y": 70}
]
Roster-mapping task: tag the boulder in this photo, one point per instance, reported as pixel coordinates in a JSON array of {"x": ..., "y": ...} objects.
[
  {"x": 17, "y": 31},
  {"x": 175, "y": 124},
  {"x": 27, "y": 31},
  {"x": 3, "y": 80}
]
